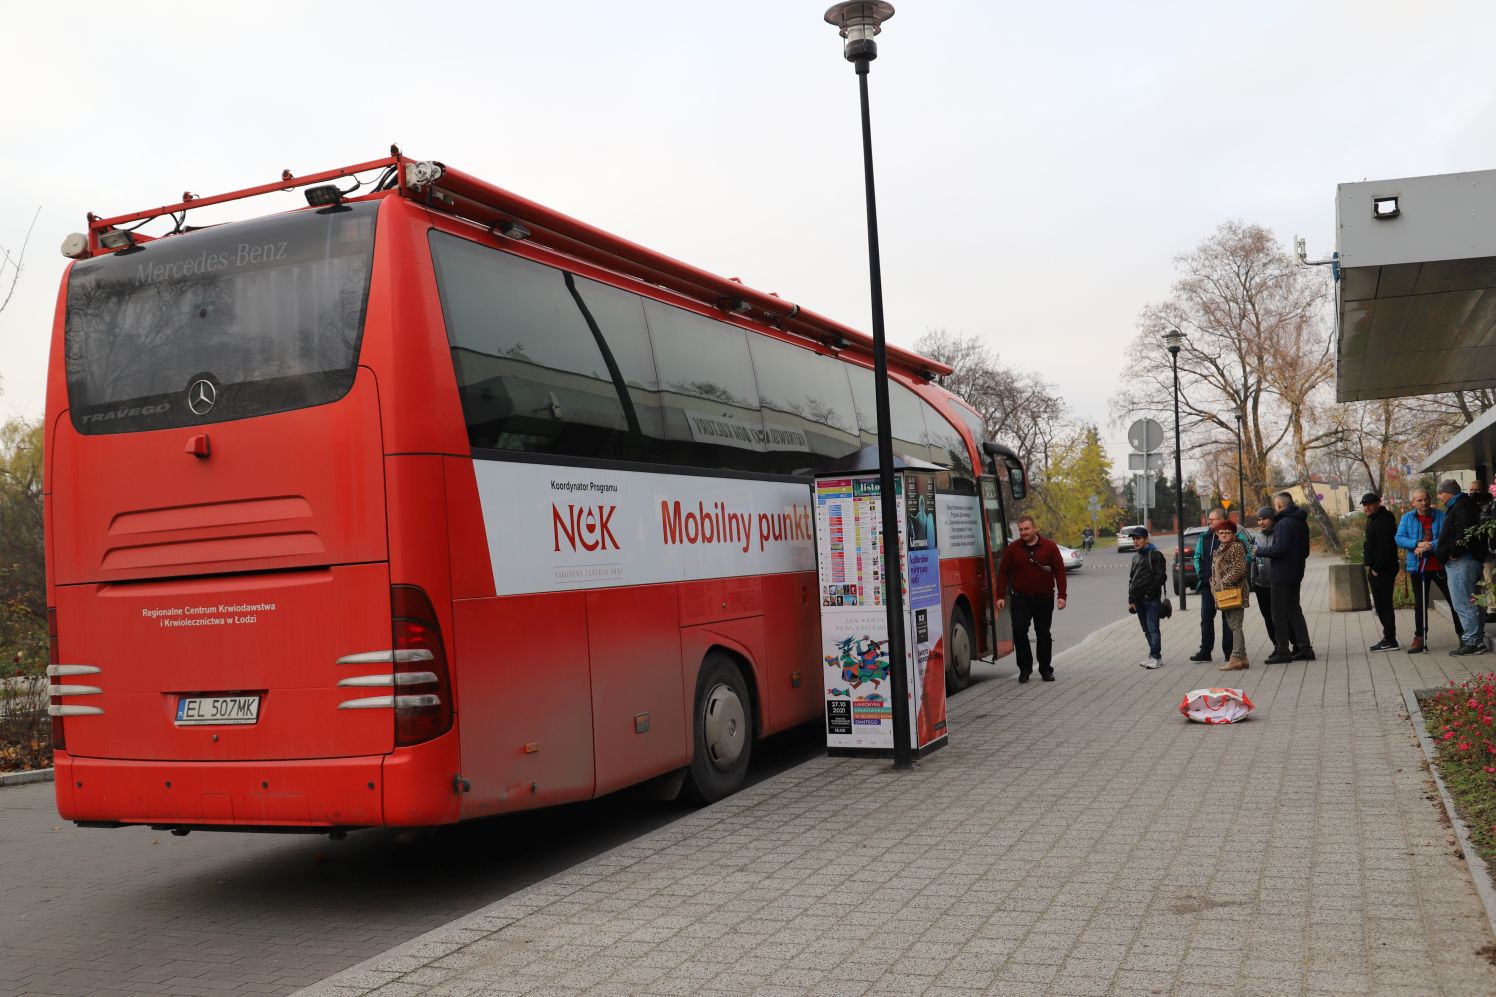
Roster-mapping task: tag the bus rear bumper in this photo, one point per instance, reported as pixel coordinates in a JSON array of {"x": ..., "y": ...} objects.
[{"x": 320, "y": 793}]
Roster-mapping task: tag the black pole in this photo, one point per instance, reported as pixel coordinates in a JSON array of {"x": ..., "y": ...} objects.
[
  {"x": 893, "y": 580},
  {"x": 1178, "y": 479},
  {"x": 1241, "y": 487}
]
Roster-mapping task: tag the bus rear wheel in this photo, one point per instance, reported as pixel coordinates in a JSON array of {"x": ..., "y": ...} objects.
[
  {"x": 723, "y": 735},
  {"x": 958, "y": 653}
]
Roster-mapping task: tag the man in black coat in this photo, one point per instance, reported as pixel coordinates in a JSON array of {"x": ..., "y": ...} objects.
[
  {"x": 1379, "y": 553},
  {"x": 1462, "y": 559},
  {"x": 1288, "y": 548}
]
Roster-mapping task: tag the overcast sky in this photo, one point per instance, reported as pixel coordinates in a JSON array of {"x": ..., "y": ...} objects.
[{"x": 1038, "y": 166}]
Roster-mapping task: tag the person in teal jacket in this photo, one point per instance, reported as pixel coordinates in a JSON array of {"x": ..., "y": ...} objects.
[
  {"x": 1417, "y": 533},
  {"x": 1205, "y": 546}
]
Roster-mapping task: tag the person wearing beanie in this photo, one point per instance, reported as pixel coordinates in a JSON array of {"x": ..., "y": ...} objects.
[
  {"x": 1416, "y": 533},
  {"x": 1462, "y": 559},
  {"x": 1262, "y": 591},
  {"x": 1145, "y": 586},
  {"x": 1379, "y": 554}
]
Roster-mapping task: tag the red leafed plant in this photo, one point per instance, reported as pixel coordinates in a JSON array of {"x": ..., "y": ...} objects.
[{"x": 1460, "y": 720}]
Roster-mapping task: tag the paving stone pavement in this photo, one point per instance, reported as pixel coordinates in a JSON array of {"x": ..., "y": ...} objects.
[{"x": 1076, "y": 837}]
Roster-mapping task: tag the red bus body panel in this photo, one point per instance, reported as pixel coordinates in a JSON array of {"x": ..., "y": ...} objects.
[{"x": 557, "y": 696}]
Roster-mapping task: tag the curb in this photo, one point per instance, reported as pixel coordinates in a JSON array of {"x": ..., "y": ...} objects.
[
  {"x": 23, "y": 778},
  {"x": 1480, "y": 873}
]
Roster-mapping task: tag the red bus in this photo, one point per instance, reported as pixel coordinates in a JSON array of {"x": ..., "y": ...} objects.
[{"x": 424, "y": 502}]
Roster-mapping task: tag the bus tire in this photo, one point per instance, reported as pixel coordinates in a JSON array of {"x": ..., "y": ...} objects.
[
  {"x": 959, "y": 650},
  {"x": 723, "y": 731}
]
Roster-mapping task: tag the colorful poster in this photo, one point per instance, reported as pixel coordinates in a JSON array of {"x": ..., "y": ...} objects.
[{"x": 854, "y": 617}]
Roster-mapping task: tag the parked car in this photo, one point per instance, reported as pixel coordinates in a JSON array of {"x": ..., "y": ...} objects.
[
  {"x": 1192, "y": 536},
  {"x": 1124, "y": 539},
  {"x": 1072, "y": 558}
]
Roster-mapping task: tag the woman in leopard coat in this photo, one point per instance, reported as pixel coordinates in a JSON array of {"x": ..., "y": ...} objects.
[{"x": 1228, "y": 570}]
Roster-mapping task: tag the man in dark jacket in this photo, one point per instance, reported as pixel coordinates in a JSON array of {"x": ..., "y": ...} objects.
[
  {"x": 1379, "y": 552},
  {"x": 1462, "y": 560},
  {"x": 1288, "y": 548},
  {"x": 1145, "y": 587},
  {"x": 1033, "y": 569}
]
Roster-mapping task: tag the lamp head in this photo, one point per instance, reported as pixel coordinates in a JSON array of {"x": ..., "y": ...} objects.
[
  {"x": 859, "y": 21},
  {"x": 1174, "y": 339}
]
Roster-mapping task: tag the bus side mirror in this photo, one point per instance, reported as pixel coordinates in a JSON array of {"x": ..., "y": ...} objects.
[{"x": 1016, "y": 483}]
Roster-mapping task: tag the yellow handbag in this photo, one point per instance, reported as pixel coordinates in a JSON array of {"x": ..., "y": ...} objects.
[{"x": 1233, "y": 598}]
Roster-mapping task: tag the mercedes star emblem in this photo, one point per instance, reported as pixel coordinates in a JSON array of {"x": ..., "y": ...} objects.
[{"x": 201, "y": 396}]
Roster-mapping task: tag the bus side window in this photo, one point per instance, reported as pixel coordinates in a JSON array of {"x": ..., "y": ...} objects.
[
  {"x": 807, "y": 405},
  {"x": 908, "y": 423},
  {"x": 947, "y": 446},
  {"x": 531, "y": 372},
  {"x": 707, "y": 390}
]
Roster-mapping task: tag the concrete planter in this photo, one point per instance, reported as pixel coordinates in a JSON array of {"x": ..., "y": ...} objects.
[{"x": 1349, "y": 592}]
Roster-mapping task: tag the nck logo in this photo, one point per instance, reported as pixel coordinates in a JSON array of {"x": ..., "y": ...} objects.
[{"x": 584, "y": 527}]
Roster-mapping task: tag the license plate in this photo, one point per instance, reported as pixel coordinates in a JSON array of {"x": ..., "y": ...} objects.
[{"x": 218, "y": 709}]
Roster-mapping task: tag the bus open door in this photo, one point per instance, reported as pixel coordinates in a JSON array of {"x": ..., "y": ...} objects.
[{"x": 1000, "y": 466}]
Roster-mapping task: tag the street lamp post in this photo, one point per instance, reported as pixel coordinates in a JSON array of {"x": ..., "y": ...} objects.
[
  {"x": 1174, "y": 339},
  {"x": 859, "y": 22},
  {"x": 1241, "y": 487}
]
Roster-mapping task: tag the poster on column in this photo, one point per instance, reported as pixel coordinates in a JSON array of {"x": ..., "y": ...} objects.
[
  {"x": 926, "y": 627},
  {"x": 854, "y": 613}
]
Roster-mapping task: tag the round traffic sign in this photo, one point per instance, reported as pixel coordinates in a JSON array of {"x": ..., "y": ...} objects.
[{"x": 1146, "y": 435}]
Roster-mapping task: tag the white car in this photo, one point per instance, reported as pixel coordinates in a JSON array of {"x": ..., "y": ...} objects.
[
  {"x": 1072, "y": 558},
  {"x": 1124, "y": 539}
]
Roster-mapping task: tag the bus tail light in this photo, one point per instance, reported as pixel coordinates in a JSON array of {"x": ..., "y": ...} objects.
[
  {"x": 59, "y": 740},
  {"x": 423, "y": 685}
]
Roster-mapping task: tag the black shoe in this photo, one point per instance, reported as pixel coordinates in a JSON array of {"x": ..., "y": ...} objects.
[
  {"x": 1200, "y": 656},
  {"x": 1023, "y": 676},
  {"x": 1465, "y": 649},
  {"x": 1307, "y": 654},
  {"x": 1047, "y": 676},
  {"x": 1385, "y": 644},
  {"x": 1277, "y": 659}
]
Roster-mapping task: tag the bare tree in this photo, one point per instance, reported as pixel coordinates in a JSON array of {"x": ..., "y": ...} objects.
[
  {"x": 15, "y": 262},
  {"x": 1018, "y": 407}
]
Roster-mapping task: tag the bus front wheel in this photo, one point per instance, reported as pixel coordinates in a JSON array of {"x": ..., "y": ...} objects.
[
  {"x": 723, "y": 718},
  {"x": 958, "y": 653}
]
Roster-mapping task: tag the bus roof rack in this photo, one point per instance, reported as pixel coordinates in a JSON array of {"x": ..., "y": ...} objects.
[{"x": 444, "y": 189}]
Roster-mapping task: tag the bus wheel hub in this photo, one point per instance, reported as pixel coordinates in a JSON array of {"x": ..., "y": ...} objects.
[{"x": 723, "y": 726}]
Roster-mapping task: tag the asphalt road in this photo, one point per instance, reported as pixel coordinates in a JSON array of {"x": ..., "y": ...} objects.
[{"x": 137, "y": 911}]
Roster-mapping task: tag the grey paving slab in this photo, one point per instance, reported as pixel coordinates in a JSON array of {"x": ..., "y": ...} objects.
[{"x": 1077, "y": 837}]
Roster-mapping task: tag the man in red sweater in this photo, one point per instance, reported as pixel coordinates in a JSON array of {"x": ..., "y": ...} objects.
[{"x": 1032, "y": 568}]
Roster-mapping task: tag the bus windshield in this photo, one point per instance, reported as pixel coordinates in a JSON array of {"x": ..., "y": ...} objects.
[{"x": 226, "y": 323}]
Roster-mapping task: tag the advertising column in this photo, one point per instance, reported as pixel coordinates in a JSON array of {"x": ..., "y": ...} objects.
[{"x": 854, "y": 620}]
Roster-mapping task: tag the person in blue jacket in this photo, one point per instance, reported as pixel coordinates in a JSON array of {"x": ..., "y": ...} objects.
[
  {"x": 1205, "y": 547},
  {"x": 1417, "y": 532}
]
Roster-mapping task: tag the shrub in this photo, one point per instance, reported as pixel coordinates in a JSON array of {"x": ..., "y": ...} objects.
[{"x": 1461, "y": 719}]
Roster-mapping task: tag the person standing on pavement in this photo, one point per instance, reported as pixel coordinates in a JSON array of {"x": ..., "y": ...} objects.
[
  {"x": 1379, "y": 553},
  {"x": 1204, "y": 553},
  {"x": 1146, "y": 578},
  {"x": 1288, "y": 548},
  {"x": 1229, "y": 567},
  {"x": 1462, "y": 562},
  {"x": 1417, "y": 532},
  {"x": 1258, "y": 571},
  {"x": 1033, "y": 569}
]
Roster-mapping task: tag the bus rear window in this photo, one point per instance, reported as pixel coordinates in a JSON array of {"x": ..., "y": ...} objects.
[{"x": 227, "y": 323}]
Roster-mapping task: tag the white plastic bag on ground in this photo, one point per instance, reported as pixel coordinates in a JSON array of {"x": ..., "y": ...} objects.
[{"x": 1216, "y": 706}]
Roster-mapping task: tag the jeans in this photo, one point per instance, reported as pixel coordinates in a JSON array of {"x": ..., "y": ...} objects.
[
  {"x": 1038, "y": 609},
  {"x": 1463, "y": 572},
  {"x": 1148, "y": 620},
  {"x": 1423, "y": 584},
  {"x": 1208, "y": 625},
  {"x": 1382, "y": 583}
]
